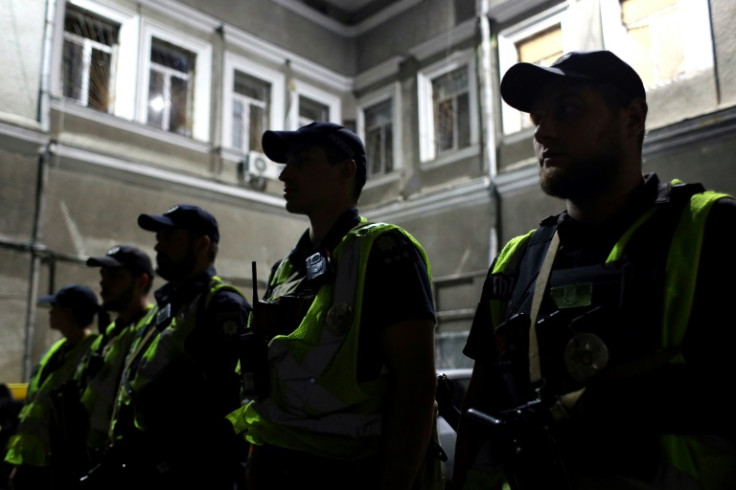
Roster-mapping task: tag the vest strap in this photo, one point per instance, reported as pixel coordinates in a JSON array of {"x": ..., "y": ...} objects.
[{"x": 535, "y": 370}]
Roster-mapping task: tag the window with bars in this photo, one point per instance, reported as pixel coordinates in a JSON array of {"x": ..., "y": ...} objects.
[
  {"x": 450, "y": 100},
  {"x": 170, "y": 88},
  {"x": 251, "y": 100},
  {"x": 379, "y": 138},
  {"x": 88, "y": 61},
  {"x": 310, "y": 110}
]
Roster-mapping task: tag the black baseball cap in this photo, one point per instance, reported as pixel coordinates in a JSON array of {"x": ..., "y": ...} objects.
[
  {"x": 522, "y": 82},
  {"x": 75, "y": 296},
  {"x": 129, "y": 257},
  {"x": 278, "y": 144},
  {"x": 186, "y": 216}
]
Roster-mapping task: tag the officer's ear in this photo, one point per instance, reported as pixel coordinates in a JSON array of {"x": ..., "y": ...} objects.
[
  {"x": 144, "y": 281},
  {"x": 349, "y": 169},
  {"x": 201, "y": 244},
  {"x": 636, "y": 116}
]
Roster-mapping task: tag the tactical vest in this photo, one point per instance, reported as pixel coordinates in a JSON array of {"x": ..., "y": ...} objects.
[
  {"x": 156, "y": 346},
  {"x": 600, "y": 295},
  {"x": 315, "y": 403},
  {"x": 98, "y": 396},
  {"x": 31, "y": 444}
]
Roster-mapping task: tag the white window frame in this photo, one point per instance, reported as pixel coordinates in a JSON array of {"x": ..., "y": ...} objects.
[
  {"x": 88, "y": 45},
  {"x": 276, "y": 111},
  {"x": 389, "y": 93},
  {"x": 427, "y": 147},
  {"x": 202, "y": 77},
  {"x": 508, "y": 56},
  {"x": 300, "y": 87},
  {"x": 694, "y": 21},
  {"x": 123, "y": 82}
]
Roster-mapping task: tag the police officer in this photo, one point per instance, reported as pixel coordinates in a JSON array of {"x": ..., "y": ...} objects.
[
  {"x": 36, "y": 450},
  {"x": 350, "y": 319},
  {"x": 602, "y": 341},
  {"x": 169, "y": 428},
  {"x": 126, "y": 278}
]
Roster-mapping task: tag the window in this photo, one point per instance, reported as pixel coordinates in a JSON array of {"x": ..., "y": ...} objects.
[
  {"x": 170, "y": 88},
  {"x": 378, "y": 128},
  {"x": 653, "y": 27},
  {"x": 447, "y": 98},
  {"x": 311, "y": 110},
  {"x": 451, "y": 110},
  {"x": 543, "y": 48},
  {"x": 89, "y": 50},
  {"x": 539, "y": 40},
  {"x": 306, "y": 103},
  {"x": 251, "y": 100}
]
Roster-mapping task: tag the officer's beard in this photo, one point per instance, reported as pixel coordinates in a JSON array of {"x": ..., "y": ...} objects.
[
  {"x": 175, "y": 271},
  {"x": 583, "y": 179},
  {"x": 119, "y": 302}
]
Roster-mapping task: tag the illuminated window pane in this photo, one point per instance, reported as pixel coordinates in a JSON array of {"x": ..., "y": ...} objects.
[
  {"x": 88, "y": 49},
  {"x": 451, "y": 114},
  {"x": 379, "y": 137},
  {"x": 250, "y": 111},
  {"x": 170, "y": 88}
]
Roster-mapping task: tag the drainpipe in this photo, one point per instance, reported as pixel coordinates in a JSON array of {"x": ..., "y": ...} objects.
[
  {"x": 38, "y": 251},
  {"x": 46, "y": 55},
  {"x": 488, "y": 126}
]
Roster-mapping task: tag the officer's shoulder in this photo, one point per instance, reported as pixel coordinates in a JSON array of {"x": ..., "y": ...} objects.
[
  {"x": 229, "y": 295},
  {"x": 722, "y": 214}
]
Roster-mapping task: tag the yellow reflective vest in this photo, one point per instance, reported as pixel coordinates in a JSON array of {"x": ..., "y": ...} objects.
[
  {"x": 315, "y": 403},
  {"x": 691, "y": 461},
  {"x": 31, "y": 444}
]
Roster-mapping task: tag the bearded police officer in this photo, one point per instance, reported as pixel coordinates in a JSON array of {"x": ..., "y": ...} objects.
[{"x": 602, "y": 341}]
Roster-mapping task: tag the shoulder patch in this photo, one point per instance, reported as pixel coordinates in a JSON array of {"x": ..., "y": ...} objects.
[
  {"x": 230, "y": 323},
  {"x": 500, "y": 286}
]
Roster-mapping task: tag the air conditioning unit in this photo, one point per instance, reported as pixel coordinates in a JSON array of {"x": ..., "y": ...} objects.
[{"x": 256, "y": 165}]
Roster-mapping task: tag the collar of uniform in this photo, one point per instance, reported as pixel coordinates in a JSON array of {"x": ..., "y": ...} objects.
[
  {"x": 602, "y": 236},
  {"x": 180, "y": 293},
  {"x": 304, "y": 247}
]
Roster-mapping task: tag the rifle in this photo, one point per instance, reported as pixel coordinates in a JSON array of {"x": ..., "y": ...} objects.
[
  {"x": 446, "y": 401},
  {"x": 254, "y": 350},
  {"x": 524, "y": 444}
]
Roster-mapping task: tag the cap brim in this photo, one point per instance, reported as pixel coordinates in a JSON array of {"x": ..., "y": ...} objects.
[
  {"x": 152, "y": 222},
  {"x": 522, "y": 83},
  {"x": 277, "y": 144},
  {"x": 103, "y": 262},
  {"x": 47, "y": 299}
]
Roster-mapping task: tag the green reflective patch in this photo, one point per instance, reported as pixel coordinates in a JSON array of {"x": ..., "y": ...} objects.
[{"x": 572, "y": 296}]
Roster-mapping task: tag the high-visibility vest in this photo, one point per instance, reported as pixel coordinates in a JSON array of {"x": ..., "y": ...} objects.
[
  {"x": 98, "y": 396},
  {"x": 152, "y": 351},
  {"x": 315, "y": 403},
  {"x": 693, "y": 462},
  {"x": 31, "y": 444}
]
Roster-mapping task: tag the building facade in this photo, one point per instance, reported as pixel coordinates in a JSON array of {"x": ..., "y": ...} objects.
[{"x": 112, "y": 108}]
